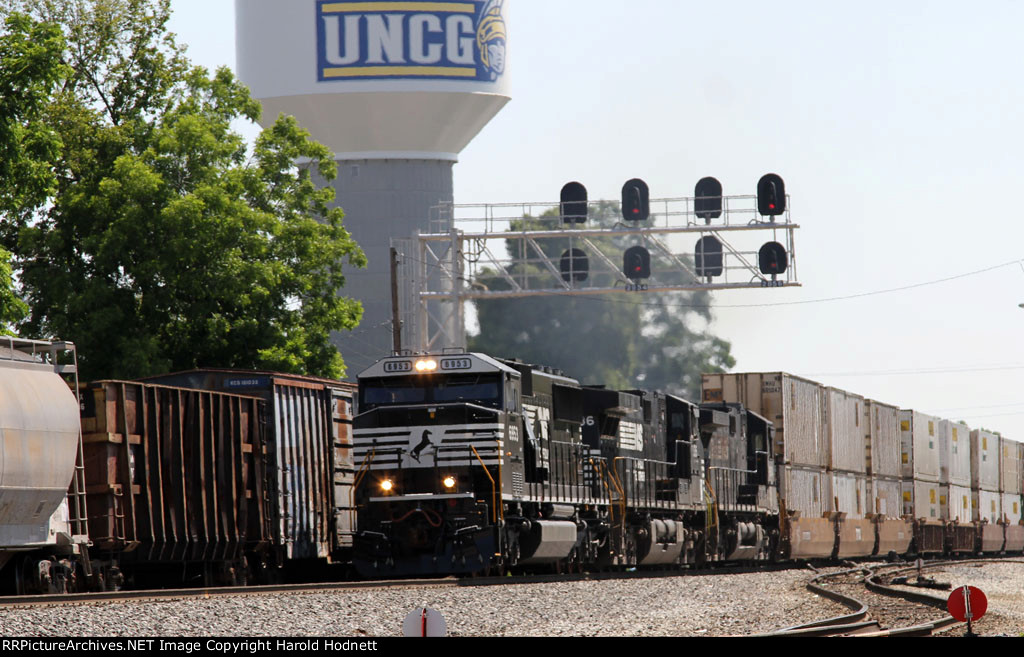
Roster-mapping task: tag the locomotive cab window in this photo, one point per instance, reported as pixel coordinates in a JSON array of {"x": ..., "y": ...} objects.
[{"x": 481, "y": 389}]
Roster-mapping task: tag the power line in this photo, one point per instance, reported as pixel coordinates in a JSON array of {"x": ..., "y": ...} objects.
[{"x": 949, "y": 370}]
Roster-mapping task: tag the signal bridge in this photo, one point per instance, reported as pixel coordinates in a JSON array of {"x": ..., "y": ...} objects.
[{"x": 579, "y": 247}]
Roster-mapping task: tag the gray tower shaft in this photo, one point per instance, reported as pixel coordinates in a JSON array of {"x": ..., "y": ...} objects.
[{"x": 382, "y": 199}]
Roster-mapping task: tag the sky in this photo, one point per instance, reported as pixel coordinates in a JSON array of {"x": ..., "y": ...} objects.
[{"x": 896, "y": 127}]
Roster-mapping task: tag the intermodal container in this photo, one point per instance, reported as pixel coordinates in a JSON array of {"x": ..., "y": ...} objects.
[{"x": 791, "y": 403}]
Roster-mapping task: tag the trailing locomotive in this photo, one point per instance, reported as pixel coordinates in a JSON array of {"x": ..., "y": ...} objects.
[{"x": 468, "y": 463}]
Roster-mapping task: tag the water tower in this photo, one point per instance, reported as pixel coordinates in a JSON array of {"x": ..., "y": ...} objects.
[{"x": 396, "y": 89}]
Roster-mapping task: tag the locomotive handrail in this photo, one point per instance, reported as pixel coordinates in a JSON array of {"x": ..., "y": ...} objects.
[
  {"x": 741, "y": 471},
  {"x": 494, "y": 492},
  {"x": 604, "y": 484},
  {"x": 360, "y": 474}
]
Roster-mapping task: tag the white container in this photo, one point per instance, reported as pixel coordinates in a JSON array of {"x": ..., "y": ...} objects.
[
  {"x": 956, "y": 503},
  {"x": 807, "y": 490},
  {"x": 921, "y": 500},
  {"x": 849, "y": 494},
  {"x": 791, "y": 403},
  {"x": 843, "y": 412},
  {"x": 919, "y": 446},
  {"x": 885, "y": 498},
  {"x": 984, "y": 460},
  {"x": 882, "y": 424},
  {"x": 986, "y": 505},
  {"x": 1010, "y": 465},
  {"x": 1012, "y": 508},
  {"x": 954, "y": 453}
]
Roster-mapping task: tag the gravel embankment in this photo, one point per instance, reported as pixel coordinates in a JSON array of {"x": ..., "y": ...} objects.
[
  {"x": 712, "y": 605},
  {"x": 1003, "y": 585}
]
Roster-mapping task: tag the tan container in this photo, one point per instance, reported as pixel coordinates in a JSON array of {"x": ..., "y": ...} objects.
[
  {"x": 1014, "y": 538},
  {"x": 849, "y": 494},
  {"x": 992, "y": 537},
  {"x": 883, "y": 435},
  {"x": 843, "y": 415},
  {"x": 886, "y": 497},
  {"x": 986, "y": 505},
  {"x": 956, "y": 503},
  {"x": 810, "y": 537},
  {"x": 954, "y": 453},
  {"x": 921, "y": 500},
  {"x": 1010, "y": 469},
  {"x": 856, "y": 537},
  {"x": 791, "y": 403},
  {"x": 894, "y": 536},
  {"x": 919, "y": 446}
]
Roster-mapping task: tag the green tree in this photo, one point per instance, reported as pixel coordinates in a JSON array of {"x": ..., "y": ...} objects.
[
  {"x": 30, "y": 67},
  {"x": 627, "y": 340},
  {"x": 167, "y": 243}
]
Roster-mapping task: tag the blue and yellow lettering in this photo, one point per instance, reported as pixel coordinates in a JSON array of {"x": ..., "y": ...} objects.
[
  {"x": 461, "y": 34},
  {"x": 333, "y": 47},
  {"x": 420, "y": 51},
  {"x": 384, "y": 40}
]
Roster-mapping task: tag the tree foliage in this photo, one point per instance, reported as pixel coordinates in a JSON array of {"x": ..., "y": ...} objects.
[
  {"x": 626, "y": 340},
  {"x": 163, "y": 241}
]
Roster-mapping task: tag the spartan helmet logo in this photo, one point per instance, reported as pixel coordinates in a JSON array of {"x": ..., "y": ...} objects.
[{"x": 490, "y": 38}]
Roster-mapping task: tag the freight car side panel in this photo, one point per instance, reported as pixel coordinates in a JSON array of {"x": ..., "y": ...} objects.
[
  {"x": 174, "y": 475},
  {"x": 309, "y": 454}
]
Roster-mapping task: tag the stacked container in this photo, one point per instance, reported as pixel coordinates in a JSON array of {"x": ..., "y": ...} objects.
[
  {"x": 795, "y": 406},
  {"x": 955, "y": 470},
  {"x": 919, "y": 458},
  {"x": 987, "y": 503},
  {"x": 844, "y": 415},
  {"x": 882, "y": 435},
  {"x": 1011, "y": 472},
  {"x": 881, "y": 428}
]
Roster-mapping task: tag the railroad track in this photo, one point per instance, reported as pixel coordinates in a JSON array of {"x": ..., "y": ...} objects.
[
  {"x": 872, "y": 578},
  {"x": 209, "y": 592}
]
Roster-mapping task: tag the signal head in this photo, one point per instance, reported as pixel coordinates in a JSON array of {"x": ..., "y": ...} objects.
[
  {"x": 771, "y": 195},
  {"x": 636, "y": 202}
]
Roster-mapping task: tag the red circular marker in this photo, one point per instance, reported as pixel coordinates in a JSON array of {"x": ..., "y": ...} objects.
[{"x": 958, "y": 603}]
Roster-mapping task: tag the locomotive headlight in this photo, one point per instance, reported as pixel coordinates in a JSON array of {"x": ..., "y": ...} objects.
[
  {"x": 449, "y": 482},
  {"x": 426, "y": 365},
  {"x": 387, "y": 485}
]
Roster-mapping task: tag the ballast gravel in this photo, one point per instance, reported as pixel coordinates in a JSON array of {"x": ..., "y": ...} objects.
[{"x": 694, "y": 605}]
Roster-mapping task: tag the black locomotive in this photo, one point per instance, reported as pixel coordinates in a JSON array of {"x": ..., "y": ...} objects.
[{"x": 468, "y": 463}]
